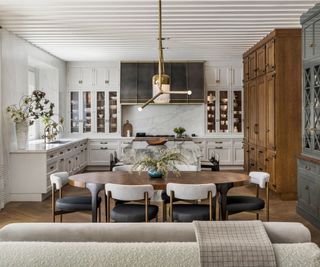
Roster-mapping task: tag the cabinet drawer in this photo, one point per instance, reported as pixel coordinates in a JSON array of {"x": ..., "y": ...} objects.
[
  {"x": 52, "y": 155},
  {"x": 308, "y": 167},
  {"x": 220, "y": 142},
  {"x": 52, "y": 167},
  {"x": 105, "y": 143},
  {"x": 308, "y": 194}
]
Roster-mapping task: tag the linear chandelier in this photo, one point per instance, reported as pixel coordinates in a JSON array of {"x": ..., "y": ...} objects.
[{"x": 161, "y": 81}]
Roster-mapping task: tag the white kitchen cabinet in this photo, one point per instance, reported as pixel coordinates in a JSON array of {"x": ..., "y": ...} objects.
[
  {"x": 100, "y": 150},
  {"x": 94, "y": 112},
  {"x": 223, "y": 76},
  {"x": 79, "y": 78},
  {"x": 39, "y": 166},
  {"x": 93, "y": 78},
  {"x": 225, "y": 154},
  {"x": 101, "y": 78},
  {"x": 236, "y": 76}
]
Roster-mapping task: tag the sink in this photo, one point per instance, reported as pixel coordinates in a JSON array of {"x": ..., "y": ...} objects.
[{"x": 59, "y": 142}]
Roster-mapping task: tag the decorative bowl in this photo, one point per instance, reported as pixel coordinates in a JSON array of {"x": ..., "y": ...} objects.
[
  {"x": 155, "y": 174},
  {"x": 157, "y": 142}
]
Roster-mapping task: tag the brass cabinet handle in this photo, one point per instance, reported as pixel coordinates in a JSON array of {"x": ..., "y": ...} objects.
[
  {"x": 218, "y": 147},
  {"x": 103, "y": 148},
  {"x": 252, "y": 148},
  {"x": 106, "y": 81},
  {"x": 260, "y": 151},
  {"x": 103, "y": 143}
]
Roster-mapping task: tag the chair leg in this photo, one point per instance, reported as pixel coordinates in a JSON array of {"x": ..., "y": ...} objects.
[
  {"x": 61, "y": 218},
  {"x": 164, "y": 212},
  {"x": 257, "y": 216},
  {"x": 99, "y": 213}
]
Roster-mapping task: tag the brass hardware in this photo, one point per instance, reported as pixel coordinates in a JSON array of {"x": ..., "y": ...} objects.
[
  {"x": 218, "y": 147},
  {"x": 218, "y": 142},
  {"x": 312, "y": 45},
  {"x": 103, "y": 148},
  {"x": 306, "y": 187},
  {"x": 217, "y": 81},
  {"x": 260, "y": 151},
  {"x": 51, "y": 168},
  {"x": 252, "y": 148},
  {"x": 106, "y": 81},
  {"x": 103, "y": 143}
]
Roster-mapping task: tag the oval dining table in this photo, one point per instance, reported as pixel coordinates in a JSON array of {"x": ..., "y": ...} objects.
[{"x": 95, "y": 181}]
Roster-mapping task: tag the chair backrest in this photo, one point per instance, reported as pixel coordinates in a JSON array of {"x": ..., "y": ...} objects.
[
  {"x": 123, "y": 168},
  {"x": 259, "y": 178},
  {"x": 187, "y": 168},
  {"x": 191, "y": 191},
  {"x": 59, "y": 179},
  {"x": 129, "y": 192}
]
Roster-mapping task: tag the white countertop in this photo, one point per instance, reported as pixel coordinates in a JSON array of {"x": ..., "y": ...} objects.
[{"x": 38, "y": 146}]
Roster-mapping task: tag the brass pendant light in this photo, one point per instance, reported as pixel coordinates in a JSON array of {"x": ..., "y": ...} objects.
[{"x": 161, "y": 86}]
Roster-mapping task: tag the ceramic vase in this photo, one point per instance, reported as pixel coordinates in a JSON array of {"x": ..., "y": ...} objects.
[
  {"x": 22, "y": 134},
  {"x": 155, "y": 174}
]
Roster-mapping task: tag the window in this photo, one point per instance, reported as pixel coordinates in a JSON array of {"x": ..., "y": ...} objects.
[{"x": 34, "y": 130}]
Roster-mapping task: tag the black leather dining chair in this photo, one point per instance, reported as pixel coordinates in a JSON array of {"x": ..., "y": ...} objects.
[
  {"x": 68, "y": 204},
  {"x": 192, "y": 192}
]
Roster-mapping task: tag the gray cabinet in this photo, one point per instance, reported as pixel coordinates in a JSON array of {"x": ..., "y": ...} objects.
[
  {"x": 309, "y": 163},
  {"x": 136, "y": 81}
]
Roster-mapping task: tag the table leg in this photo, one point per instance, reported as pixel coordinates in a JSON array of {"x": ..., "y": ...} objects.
[
  {"x": 223, "y": 190},
  {"x": 94, "y": 190}
]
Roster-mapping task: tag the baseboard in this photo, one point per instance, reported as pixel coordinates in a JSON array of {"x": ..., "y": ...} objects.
[{"x": 309, "y": 217}]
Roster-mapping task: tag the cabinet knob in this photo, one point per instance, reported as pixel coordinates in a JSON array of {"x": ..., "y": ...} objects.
[
  {"x": 306, "y": 187},
  {"x": 106, "y": 81},
  {"x": 217, "y": 81}
]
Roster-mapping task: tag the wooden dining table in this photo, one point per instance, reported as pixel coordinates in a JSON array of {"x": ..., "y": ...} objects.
[{"x": 95, "y": 182}]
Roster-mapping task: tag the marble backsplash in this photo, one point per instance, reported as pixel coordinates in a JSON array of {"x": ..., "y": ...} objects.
[{"x": 161, "y": 119}]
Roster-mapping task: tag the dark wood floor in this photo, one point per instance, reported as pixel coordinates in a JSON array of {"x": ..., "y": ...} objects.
[{"x": 284, "y": 211}]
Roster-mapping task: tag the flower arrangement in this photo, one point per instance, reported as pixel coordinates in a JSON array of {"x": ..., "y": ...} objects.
[
  {"x": 163, "y": 164},
  {"x": 179, "y": 131},
  {"x": 31, "y": 107}
]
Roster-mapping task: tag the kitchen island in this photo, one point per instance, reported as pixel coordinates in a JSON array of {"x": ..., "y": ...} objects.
[{"x": 137, "y": 150}]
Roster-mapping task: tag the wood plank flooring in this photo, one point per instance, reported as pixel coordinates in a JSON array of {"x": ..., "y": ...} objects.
[{"x": 284, "y": 211}]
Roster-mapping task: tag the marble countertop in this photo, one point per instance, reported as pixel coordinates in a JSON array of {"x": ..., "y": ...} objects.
[
  {"x": 138, "y": 150},
  {"x": 38, "y": 146}
]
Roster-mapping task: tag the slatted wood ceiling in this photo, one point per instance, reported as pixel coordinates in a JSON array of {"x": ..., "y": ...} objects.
[{"x": 127, "y": 29}]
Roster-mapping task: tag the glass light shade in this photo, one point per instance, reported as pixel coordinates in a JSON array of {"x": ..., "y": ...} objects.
[{"x": 165, "y": 86}]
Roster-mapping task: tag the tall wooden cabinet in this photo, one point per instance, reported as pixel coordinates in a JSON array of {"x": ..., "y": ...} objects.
[
  {"x": 309, "y": 162},
  {"x": 272, "y": 93}
]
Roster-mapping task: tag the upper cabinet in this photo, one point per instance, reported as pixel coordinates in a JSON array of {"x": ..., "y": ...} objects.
[
  {"x": 136, "y": 81},
  {"x": 97, "y": 78},
  {"x": 223, "y": 76}
]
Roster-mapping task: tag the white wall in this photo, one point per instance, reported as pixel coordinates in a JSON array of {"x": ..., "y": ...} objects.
[
  {"x": 162, "y": 119},
  {"x": 15, "y": 54}
]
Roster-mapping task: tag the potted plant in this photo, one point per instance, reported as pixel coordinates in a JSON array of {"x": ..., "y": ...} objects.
[
  {"x": 159, "y": 167},
  {"x": 179, "y": 131},
  {"x": 30, "y": 108}
]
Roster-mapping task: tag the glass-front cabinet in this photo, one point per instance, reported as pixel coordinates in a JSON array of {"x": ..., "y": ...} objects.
[
  {"x": 311, "y": 110},
  {"x": 87, "y": 111},
  {"x": 224, "y": 111},
  {"x": 94, "y": 111},
  {"x": 74, "y": 112}
]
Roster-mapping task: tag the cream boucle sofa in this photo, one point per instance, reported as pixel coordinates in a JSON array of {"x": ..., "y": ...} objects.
[{"x": 133, "y": 244}]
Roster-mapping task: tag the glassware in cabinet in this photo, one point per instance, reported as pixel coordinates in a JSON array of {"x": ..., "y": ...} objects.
[
  {"x": 237, "y": 111},
  {"x": 74, "y": 112},
  {"x": 101, "y": 120},
  {"x": 211, "y": 111},
  {"x": 87, "y": 111},
  {"x": 223, "y": 120},
  {"x": 113, "y": 112}
]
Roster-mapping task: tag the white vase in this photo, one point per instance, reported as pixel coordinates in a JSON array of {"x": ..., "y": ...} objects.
[{"x": 22, "y": 134}]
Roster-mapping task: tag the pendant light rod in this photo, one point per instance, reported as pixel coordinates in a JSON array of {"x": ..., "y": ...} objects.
[{"x": 161, "y": 74}]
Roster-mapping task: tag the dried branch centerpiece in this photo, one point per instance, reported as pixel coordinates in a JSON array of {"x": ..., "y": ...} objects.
[{"x": 162, "y": 165}]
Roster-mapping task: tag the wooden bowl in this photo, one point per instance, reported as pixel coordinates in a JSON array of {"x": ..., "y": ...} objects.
[{"x": 157, "y": 142}]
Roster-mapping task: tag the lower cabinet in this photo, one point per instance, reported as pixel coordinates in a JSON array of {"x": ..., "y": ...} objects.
[
  {"x": 34, "y": 184},
  {"x": 100, "y": 150},
  {"x": 308, "y": 191},
  {"x": 230, "y": 151}
]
